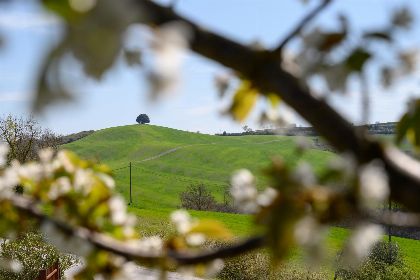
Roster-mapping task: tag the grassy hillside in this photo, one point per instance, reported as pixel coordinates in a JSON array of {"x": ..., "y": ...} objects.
[
  {"x": 165, "y": 161},
  {"x": 185, "y": 158}
]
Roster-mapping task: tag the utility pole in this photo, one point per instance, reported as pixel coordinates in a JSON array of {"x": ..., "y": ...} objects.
[
  {"x": 389, "y": 232},
  {"x": 131, "y": 200},
  {"x": 389, "y": 226}
]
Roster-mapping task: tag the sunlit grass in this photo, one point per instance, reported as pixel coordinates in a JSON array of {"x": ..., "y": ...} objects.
[{"x": 202, "y": 159}]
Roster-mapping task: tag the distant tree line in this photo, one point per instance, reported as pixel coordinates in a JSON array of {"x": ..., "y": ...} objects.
[
  {"x": 75, "y": 136},
  {"x": 377, "y": 128},
  {"x": 26, "y": 137}
]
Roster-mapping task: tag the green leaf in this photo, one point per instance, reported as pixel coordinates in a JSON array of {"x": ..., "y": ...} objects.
[
  {"x": 274, "y": 99},
  {"x": 243, "y": 101},
  {"x": 213, "y": 229},
  {"x": 409, "y": 125},
  {"x": 357, "y": 59},
  {"x": 61, "y": 8}
]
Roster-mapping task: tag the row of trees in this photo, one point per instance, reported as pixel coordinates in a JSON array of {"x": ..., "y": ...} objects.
[{"x": 25, "y": 137}]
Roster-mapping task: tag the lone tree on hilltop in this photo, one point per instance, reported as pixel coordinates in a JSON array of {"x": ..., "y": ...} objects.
[{"x": 142, "y": 119}]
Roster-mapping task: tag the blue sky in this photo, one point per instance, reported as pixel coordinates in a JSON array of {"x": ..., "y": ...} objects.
[{"x": 116, "y": 100}]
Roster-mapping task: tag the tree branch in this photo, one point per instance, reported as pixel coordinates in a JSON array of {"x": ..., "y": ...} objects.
[
  {"x": 301, "y": 25},
  {"x": 121, "y": 248},
  {"x": 223, "y": 252},
  {"x": 265, "y": 72}
]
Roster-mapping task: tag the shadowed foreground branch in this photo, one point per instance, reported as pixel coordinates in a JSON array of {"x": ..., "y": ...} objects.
[{"x": 103, "y": 242}]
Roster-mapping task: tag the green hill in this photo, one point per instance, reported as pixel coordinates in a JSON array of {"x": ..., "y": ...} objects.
[{"x": 165, "y": 161}]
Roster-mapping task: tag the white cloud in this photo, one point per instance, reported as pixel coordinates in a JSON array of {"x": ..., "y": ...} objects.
[
  {"x": 24, "y": 20},
  {"x": 15, "y": 96}
]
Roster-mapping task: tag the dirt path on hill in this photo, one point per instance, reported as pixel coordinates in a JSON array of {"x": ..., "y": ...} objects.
[{"x": 170, "y": 151}]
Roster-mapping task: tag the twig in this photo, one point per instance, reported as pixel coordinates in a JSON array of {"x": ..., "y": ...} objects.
[{"x": 301, "y": 25}]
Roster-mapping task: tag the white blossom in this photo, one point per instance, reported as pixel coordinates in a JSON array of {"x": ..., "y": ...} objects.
[
  {"x": 243, "y": 190},
  {"x": 310, "y": 235},
  {"x": 152, "y": 244},
  {"x": 373, "y": 184},
  {"x": 308, "y": 231},
  {"x": 65, "y": 161},
  {"x": 128, "y": 231},
  {"x": 195, "y": 239},
  {"x": 118, "y": 209},
  {"x": 31, "y": 170},
  {"x": 214, "y": 267},
  {"x": 182, "y": 221},
  {"x": 108, "y": 180},
  {"x": 169, "y": 46},
  {"x": 361, "y": 242},
  {"x": 128, "y": 271},
  {"x": 4, "y": 150},
  {"x": 59, "y": 187},
  {"x": 265, "y": 198},
  {"x": 289, "y": 63},
  {"x": 9, "y": 180},
  {"x": 187, "y": 272},
  {"x": 304, "y": 174},
  {"x": 82, "y": 6},
  {"x": 83, "y": 180},
  {"x": 46, "y": 155}
]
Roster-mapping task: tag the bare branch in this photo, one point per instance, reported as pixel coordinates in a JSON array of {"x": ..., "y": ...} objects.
[{"x": 301, "y": 25}]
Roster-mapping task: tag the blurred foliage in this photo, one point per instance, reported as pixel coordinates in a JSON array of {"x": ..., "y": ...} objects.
[
  {"x": 33, "y": 255},
  {"x": 384, "y": 262},
  {"x": 297, "y": 208},
  {"x": 409, "y": 125}
]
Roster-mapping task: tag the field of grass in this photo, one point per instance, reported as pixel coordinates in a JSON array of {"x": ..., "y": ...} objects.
[
  {"x": 196, "y": 158},
  {"x": 199, "y": 159}
]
